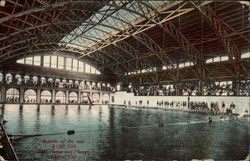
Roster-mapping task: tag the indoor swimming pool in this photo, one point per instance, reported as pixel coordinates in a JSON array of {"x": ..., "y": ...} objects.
[{"x": 103, "y": 133}]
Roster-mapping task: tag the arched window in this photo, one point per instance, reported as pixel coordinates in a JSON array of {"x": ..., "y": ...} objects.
[
  {"x": 26, "y": 79},
  {"x": 84, "y": 98},
  {"x": 76, "y": 83},
  {"x": 96, "y": 98},
  {"x": 98, "y": 86},
  {"x": 73, "y": 97},
  {"x": 93, "y": 85},
  {"x": 18, "y": 78},
  {"x": 35, "y": 80},
  {"x": 105, "y": 98},
  {"x": 30, "y": 96},
  {"x": 50, "y": 81},
  {"x": 8, "y": 78},
  {"x": 12, "y": 95},
  {"x": 43, "y": 81},
  {"x": 60, "y": 97},
  {"x": 46, "y": 96},
  {"x": 82, "y": 85}
]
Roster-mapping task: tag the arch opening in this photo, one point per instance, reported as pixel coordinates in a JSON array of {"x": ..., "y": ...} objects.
[
  {"x": 96, "y": 98},
  {"x": 12, "y": 95},
  {"x": 105, "y": 98},
  {"x": 73, "y": 97},
  {"x": 60, "y": 97},
  {"x": 30, "y": 96},
  {"x": 46, "y": 96}
]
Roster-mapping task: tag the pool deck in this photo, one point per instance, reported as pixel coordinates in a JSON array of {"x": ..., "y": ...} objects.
[
  {"x": 16, "y": 103},
  {"x": 179, "y": 109}
]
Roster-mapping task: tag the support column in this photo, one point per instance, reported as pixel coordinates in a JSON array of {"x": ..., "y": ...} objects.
[
  {"x": 79, "y": 97},
  {"x": 177, "y": 81},
  {"x": 53, "y": 95},
  {"x": 38, "y": 95},
  {"x": 101, "y": 98},
  {"x": 42, "y": 61},
  {"x": 238, "y": 88},
  {"x": 91, "y": 96},
  {"x": 3, "y": 95},
  {"x": 67, "y": 96},
  {"x": 176, "y": 89},
  {"x": 201, "y": 88},
  {"x": 21, "y": 95}
]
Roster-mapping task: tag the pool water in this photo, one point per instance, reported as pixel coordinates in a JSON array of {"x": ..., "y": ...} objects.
[{"x": 99, "y": 136}]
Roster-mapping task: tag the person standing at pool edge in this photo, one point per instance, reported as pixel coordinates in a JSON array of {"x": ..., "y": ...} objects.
[
  {"x": 232, "y": 107},
  {"x": 223, "y": 107}
]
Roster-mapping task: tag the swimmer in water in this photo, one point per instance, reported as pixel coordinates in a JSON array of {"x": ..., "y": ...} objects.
[
  {"x": 222, "y": 119},
  {"x": 210, "y": 120}
]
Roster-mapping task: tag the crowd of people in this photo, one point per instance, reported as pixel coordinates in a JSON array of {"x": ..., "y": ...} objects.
[
  {"x": 188, "y": 89},
  {"x": 29, "y": 100},
  {"x": 46, "y": 100},
  {"x": 12, "y": 99},
  {"x": 213, "y": 108}
]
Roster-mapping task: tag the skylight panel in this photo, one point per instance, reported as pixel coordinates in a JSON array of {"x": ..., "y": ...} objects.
[
  {"x": 60, "y": 62},
  {"x": 245, "y": 55},
  {"x": 80, "y": 66},
  {"x": 224, "y": 58},
  {"x": 37, "y": 60},
  {"x": 29, "y": 60},
  {"x": 97, "y": 26},
  {"x": 46, "y": 61},
  {"x": 139, "y": 8},
  {"x": 54, "y": 61},
  {"x": 209, "y": 60},
  {"x": 181, "y": 65},
  {"x": 87, "y": 68},
  {"x": 75, "y": 65},
  {"x": 98, "y": 72},
  {"x": 155, "y": 3},
  {"x": 216, "y": 59},
  {"x": 20, "y": 61},
  {"x": 68, "y": 63}
]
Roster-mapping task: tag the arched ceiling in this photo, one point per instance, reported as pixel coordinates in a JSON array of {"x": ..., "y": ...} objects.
[{"x": 126, "y": 35}]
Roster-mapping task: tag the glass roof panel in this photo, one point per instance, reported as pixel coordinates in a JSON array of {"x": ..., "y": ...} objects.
[{"x": 116, "y": 14}]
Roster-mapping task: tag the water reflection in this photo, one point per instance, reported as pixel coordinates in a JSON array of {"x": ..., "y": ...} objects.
[
  {"x": 52, "y": 111},
  {"x": 37, "y": 122},
  {"x": 20, "y": 113},
  {"x": 66, "y": 111},
  {"x": 100, "y": 128}
]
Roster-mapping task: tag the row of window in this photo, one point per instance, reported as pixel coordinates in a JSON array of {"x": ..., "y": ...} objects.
[
  {"x": 188, "y": 64},
  {"x": 60, "y": 62},
  {"x": 181, "y": 65}
]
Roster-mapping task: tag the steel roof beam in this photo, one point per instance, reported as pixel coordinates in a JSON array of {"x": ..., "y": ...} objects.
[{"x": 228, "y": 44}]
